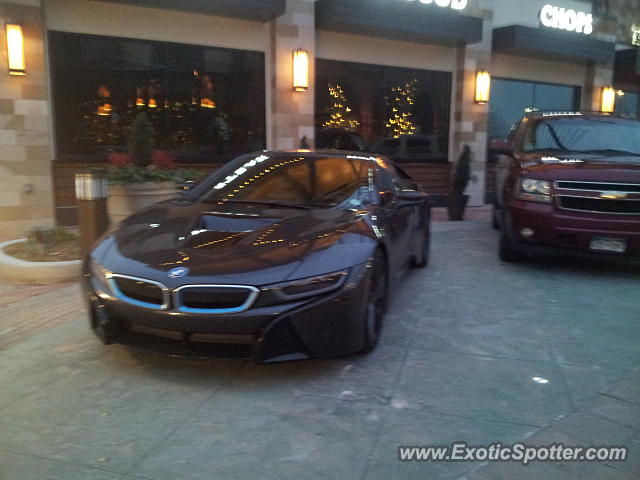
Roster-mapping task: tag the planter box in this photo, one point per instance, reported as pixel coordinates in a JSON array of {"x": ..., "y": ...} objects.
[
  {"x": 125, "y": 200},
  {"x": 16, "y": 271}
]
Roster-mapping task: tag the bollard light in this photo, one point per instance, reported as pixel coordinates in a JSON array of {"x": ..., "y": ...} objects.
[
  {"x": 91, "y": 195},
  {"x": 15, "y": 49},
  {"x": 300, "y": 70}
]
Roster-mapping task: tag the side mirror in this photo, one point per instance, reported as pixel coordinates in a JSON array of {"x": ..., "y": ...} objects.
[
  {"x": 501, "y": 147},
  {"x": 187, "y": 186},
  {"x": 412, "y": 196}
]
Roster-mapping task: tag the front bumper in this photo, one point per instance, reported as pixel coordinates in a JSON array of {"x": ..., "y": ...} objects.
[
  {"x": 324, "y": 326},
  {"x": 562, "y": 231}
]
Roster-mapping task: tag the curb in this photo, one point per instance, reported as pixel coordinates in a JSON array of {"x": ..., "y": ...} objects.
[{"x": 17, "y": 271}]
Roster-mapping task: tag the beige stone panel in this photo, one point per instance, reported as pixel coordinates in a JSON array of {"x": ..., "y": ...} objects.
[
  {"x": 38, "y": 124},
  {"x": 24, "y": 212},
  {"x": 290, "y": 31},
  {"x": 29, "y": 137},
  {"x": 9, "y": 197},
  {"x": 35, "y": 91},
  {"x": 29, "y": 168},
  {"x": 37, "y": 198},
  {"x": 31, "y": 107},
  {"x": 6, "y": 106},
  {"x": 10, "y": 87},
  {"x": 378, "y": 51},
  {"x": 11, "y": 122},
  {"x": 537, "y": 70},
  {"x": 8, "y": 137},
  {"x": 36, "y": 152},
  {"x": 128, "y": 21},
  {"x": 21, "y": 228},
  {"x": 13, "y": 153}
]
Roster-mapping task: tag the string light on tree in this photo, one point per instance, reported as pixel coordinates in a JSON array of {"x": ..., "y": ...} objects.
[
  {"x": 340, "y": 113},
  {"x": 401, "y": 110}
]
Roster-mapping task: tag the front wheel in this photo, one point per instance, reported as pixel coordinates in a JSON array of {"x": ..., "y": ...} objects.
[
  {"x": 506, "y": 252},
  {"x": 421, "y": 260},
  {"x": 495, "y": 223},
  {"x": 376, "y": 302}
]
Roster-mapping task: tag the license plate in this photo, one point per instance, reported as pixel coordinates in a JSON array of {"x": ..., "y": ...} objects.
[{"x": 609, "y": 245}]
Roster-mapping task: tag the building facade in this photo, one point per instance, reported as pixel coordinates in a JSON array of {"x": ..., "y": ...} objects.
[{"x": 215, "y": 78}]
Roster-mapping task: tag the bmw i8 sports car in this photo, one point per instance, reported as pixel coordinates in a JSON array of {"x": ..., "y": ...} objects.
[{"x": 276, "y": 256}]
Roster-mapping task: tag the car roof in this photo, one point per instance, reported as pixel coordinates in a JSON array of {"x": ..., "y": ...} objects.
[
  {"x": 320, "y": 153},
  {"x": 567, "y": 114}
]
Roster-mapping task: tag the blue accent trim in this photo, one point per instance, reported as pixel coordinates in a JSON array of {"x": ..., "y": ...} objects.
[
  {"x": 132, "y": 301},
  {"x": 212, "y": 311}
]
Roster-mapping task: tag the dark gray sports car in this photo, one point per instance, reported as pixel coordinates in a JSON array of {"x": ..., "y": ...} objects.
[{"x": 276, "y": 256}]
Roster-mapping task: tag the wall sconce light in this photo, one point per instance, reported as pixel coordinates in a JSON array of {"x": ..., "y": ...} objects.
[
  {"x": 15, "y": 49},
  {"x": 300, "y": 70},
  {"x": 608, "y": 101},
  {"x": 483, "y": 87}
]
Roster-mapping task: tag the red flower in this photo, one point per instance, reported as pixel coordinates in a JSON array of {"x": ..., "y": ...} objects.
[
  {"x": 163, "y": 160},
  {"x": 120, "y": 160}
]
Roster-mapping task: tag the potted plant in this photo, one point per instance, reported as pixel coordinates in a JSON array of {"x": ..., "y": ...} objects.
[
  {"x": 461, "y": 176},
  {"x": 142, "y": 176}
]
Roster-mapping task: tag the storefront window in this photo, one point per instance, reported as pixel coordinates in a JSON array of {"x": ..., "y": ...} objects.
[
  {"x": 511, "y": 99},
  {"x": 628, "y": 105},
  {"x": 402, "y": 113},
  {"x": 204, "y": 104}
]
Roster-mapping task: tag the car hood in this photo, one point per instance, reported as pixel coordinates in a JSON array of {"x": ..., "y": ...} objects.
[
  {"x": 594, "y": 168},
  {"x": 236, "y": 244}
]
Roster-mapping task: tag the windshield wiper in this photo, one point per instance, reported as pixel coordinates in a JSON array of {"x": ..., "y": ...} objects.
[{"x": 271, "y": 204}]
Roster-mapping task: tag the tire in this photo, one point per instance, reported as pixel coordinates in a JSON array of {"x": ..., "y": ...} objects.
[
  {"x": 376, "y": 304},
  {"x": 506, "y": 252},
  {"x": 422, "y": 259},
  {"x": 494, "y": 218}
]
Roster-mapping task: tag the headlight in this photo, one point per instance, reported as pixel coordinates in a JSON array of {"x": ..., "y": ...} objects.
[
  {"x": 303, "y": 288},
  {"x": 99, "y": 276},
  {"x": 534, "y": 190}
]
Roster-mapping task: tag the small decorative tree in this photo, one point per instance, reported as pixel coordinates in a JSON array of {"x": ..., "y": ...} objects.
[
  {"x": 462, "y": 173},
  {"x": 461, "y": 176},
  {"x": 140, "y": 140}
]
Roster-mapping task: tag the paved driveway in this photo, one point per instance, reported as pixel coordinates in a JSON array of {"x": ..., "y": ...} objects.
[{"x": 463, "y": 343}]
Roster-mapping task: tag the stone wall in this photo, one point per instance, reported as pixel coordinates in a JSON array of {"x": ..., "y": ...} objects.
[
  {"x": 25, "y": 137},
  {"x": 290, "y": 115}
]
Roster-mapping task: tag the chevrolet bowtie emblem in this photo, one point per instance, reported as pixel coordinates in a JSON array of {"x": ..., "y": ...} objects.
[{"x": 613, "y": 195}]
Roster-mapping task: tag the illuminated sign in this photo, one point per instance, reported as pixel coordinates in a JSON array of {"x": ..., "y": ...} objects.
[
  {"x": 635, "y": 35},
  {"x": 455, "y": 4},
  {"x": 566, "y": 19}
]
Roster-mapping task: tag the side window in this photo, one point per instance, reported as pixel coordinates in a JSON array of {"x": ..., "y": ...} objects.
[{"x": 389, "y": 181}]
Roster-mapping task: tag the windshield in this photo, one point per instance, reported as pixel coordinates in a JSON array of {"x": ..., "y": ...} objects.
[
  {"x": 294, "y": 181},
  {"x": 596, "y": 135}
]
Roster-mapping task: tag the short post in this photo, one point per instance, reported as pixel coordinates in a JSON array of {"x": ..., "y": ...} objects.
[{"x": 91, "y": 194}]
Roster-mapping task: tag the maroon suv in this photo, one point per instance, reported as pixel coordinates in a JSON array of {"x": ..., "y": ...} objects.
[{"x": 569, "y": 182}]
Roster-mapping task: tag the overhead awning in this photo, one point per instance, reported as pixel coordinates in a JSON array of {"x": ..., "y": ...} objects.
[
  {"x": 554, "y": 44},
  {"x": 627, "y": 66},
  {"x": 410, "y": 21},
  {"x": 256, "y": 10}
]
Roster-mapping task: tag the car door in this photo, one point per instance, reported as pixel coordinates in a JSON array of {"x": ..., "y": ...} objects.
[{"x": 397, "y": 219}]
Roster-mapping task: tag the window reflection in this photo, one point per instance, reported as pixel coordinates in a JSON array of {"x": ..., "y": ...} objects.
[
  {"x": 511, "y": 99},
  {"x": 402, "y": 113},
  {"x": 294, "y": 180},
  {"x": 203, "y": 103}
]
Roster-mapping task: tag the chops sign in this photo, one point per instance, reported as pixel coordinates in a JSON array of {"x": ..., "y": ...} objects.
[
  {"x": 635, "y": 35},
  {"x": 455, "y": 4},
  {"x": 566, "y": 19}
]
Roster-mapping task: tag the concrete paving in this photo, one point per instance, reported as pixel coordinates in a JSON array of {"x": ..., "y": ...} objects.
[{"x": 463, "y": 343}]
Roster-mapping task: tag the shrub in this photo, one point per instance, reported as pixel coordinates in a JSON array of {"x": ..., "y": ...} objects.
[{"x": 462, "y": 173}]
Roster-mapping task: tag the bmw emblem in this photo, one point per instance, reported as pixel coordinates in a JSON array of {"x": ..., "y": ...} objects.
[{"x": 178, "y": 272}]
